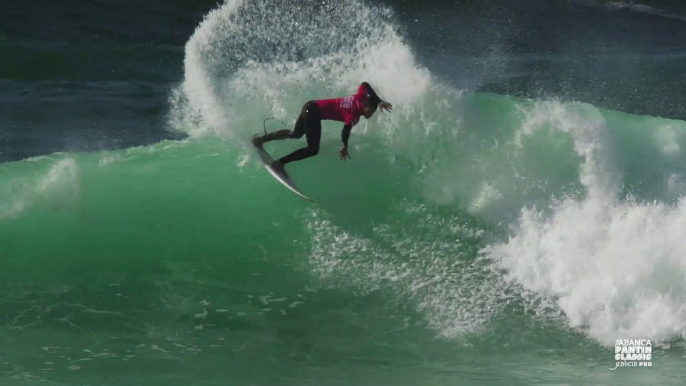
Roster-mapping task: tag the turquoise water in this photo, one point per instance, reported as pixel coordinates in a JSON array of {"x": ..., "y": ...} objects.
[{"x": 186, "y": 263}]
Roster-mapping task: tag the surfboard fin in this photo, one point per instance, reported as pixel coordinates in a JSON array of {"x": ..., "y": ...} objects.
[{"x": 279, "y": 168}]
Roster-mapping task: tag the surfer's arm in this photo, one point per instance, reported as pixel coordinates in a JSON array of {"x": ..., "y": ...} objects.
[{"x": 345, "y": 134}]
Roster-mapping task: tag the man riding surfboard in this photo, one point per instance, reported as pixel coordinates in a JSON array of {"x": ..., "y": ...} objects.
[{"x": 347, "y": 110}]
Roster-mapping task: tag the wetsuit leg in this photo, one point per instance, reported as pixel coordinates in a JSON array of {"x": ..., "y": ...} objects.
[
  {"x": 313, "y": 131},
  {"x": 297, "y": 132}
]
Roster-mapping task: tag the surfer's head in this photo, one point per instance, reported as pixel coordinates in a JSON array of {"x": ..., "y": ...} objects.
[{"x": 369, "y": 105}]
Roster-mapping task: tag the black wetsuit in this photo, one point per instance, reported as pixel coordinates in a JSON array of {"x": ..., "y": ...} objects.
[{"x": 309, "y": 123}]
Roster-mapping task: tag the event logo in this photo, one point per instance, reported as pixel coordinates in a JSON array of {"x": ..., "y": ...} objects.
[
  {"x": 347, "y": 102},
  {"x": 633, "y": 353}
]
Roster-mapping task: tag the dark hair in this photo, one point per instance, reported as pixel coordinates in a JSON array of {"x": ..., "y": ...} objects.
[{"x": 371, "y": 101}]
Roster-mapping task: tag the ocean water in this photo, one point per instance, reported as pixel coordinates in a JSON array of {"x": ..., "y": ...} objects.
[{"x": 521, "y": 209}]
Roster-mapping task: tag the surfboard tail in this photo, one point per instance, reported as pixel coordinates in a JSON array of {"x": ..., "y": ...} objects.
[{"x": 279, "y": 173}]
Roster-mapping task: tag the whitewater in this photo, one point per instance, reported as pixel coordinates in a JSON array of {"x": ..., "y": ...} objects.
[{"x": 473, "y": 238}]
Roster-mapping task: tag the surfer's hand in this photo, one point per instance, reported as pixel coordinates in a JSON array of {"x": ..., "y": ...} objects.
[
  {"x": 385, "y": 106},
  {"x": 343, "y": 154}
]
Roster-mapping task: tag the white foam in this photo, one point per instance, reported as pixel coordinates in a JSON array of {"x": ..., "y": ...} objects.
[
  {"x": 669, "y": 140},
  {"x": 250, "y": 60},
  {"x": 616, "y": 267},
  {"x": 430, "y": 265},
  {"x": 59, "y": 186},
  {"x": 641, "y": 8},
  {"x": 587, "y": 127}
]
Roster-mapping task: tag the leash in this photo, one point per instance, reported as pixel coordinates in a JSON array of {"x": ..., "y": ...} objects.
[{"x": 264, "y": 124}]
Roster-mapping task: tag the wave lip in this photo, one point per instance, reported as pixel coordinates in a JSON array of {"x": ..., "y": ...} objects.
[
  {"x": 58, "y": 187},
  {"x": 614, "y": 265},
  {"x": 268, "y": 57},
  {"x": 645, "y": 9}
]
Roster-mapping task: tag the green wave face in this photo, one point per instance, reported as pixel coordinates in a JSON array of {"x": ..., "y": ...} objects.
[{"x": 189, "y": 253}]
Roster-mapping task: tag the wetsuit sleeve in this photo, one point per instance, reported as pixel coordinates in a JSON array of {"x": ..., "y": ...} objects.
[
  {"x": 345, "y": 134},
  {"x": 365, "y": 87}
]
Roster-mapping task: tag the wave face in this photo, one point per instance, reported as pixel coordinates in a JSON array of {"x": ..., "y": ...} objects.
[{"x": 473, "y": 236}]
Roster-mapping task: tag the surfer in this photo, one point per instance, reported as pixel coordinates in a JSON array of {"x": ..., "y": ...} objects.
[{"x": 347, "y": 110}]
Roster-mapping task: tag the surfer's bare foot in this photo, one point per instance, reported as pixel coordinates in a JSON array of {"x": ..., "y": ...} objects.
[
  {"x": 279, "y": 167},
  {"x": 257, "y": 141}
]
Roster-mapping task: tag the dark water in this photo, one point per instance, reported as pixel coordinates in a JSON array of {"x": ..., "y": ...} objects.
[
  {"x": 84, "y": 76},
  {"x": 520, "y": 210}
]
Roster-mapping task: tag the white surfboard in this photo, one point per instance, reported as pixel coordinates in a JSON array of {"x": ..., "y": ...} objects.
[{"x": 281, "y": 177}]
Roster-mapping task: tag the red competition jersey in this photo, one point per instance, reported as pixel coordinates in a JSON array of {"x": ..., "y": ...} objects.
[{"x": 347, "y": 110}]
